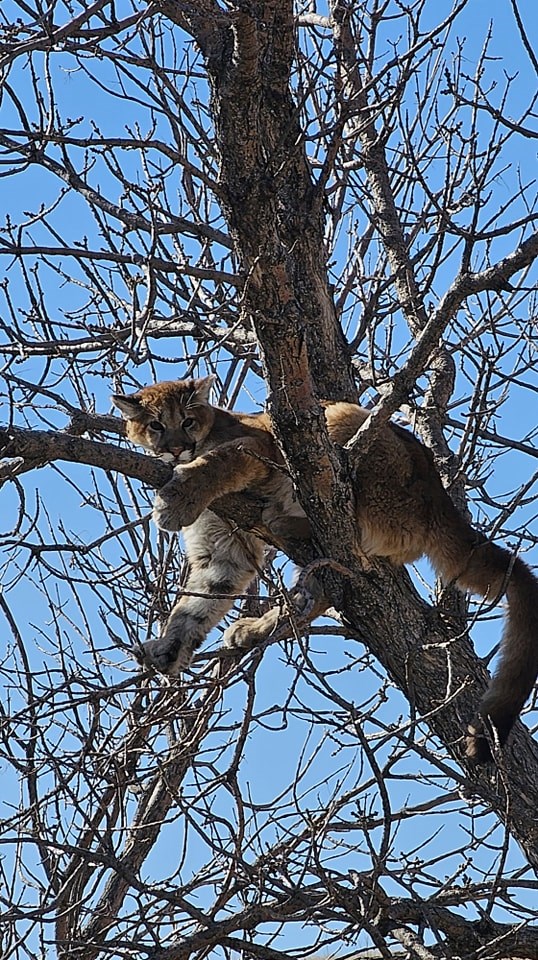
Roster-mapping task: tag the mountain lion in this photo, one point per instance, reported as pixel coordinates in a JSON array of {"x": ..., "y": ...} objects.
[{"x": 403, "y": 512}]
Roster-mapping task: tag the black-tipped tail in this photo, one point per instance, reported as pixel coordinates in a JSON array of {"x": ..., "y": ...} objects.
[{"x": 517, "y": 670}]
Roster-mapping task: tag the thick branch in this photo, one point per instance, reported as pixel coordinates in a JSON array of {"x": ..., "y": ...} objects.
[{"x": 36, "y": 448}]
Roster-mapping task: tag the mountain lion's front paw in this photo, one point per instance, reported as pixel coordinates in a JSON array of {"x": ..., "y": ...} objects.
[
  {"x": 164, "y": 655},
  {"x": 179, "y": 503}
]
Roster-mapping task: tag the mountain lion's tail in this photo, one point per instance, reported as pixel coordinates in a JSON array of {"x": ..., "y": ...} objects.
[{"x": 466, "y": 557}]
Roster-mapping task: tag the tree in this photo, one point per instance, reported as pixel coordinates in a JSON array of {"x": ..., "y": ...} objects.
[{"x": 320, "y": 202}]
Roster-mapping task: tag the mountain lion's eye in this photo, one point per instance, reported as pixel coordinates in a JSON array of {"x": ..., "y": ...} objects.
[
  {"x": 188, "y": 422},
  {"x": 156, "y": 425}
]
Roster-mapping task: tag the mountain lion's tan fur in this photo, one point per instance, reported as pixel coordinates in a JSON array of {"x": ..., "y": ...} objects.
[{"x": 402, "y": 509}]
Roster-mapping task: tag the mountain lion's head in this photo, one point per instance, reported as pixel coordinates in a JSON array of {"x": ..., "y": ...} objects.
[{"x": 169, "y": 419}]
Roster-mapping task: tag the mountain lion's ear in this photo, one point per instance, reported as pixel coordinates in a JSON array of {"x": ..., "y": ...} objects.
[
  {"x": 129, "y": 407},
  {"x": 202, "y": 387}
]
